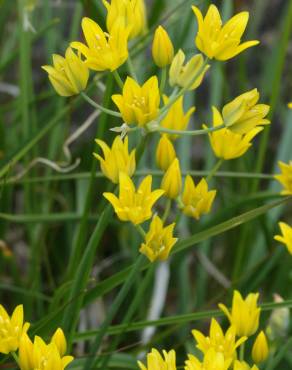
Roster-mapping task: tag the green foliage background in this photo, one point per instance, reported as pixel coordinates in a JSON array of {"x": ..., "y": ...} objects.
[{"x": 63, "y": 267}]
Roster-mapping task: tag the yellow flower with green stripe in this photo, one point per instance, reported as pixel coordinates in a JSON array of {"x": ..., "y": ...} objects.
[{"x": 69, "y": 75}]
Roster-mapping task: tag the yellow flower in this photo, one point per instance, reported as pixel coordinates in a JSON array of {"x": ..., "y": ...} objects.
[
  {"x": 243, "y": 113},
  {"x": 39, "y": 355},
  {"x": 290, "y": 105},
  {"x": 227, "y": 144},
  {"x": 197, "y": 200},
  {"x": 132, "y": 205},
  {"x": 103, "y": 51},
  {"x": 191, "y": 74},
  {"x": 286, "y": 237},
  {"x": 220, "y": 342},
  {"x": 138, "y": 104},
  {"x": 212, "y": 361},
  {"x": 116, "y": 159},
  {"x": 241, "y": 365},
  {"x": 171, "y": 182},
  {"x": 165, "y": 153},
  {"x": 260, "y": 349},
  {"x": 217, "y": 41},
  {"x": 162, "y": 48},
  {"x": 11, "y": 329},
  {"x": 156, "y": 362},
  {"x": 245, "y": 313},
  {"x": 158, "y": 241},
  {"x": 286, "y": 177},
  {"x": 68, "y": 75},
  {"x": 176, "y": 118},
  {"x": 127, "y": 14}
]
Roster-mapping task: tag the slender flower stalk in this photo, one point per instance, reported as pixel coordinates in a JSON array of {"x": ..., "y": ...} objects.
[{"x": 100, "y": 107}]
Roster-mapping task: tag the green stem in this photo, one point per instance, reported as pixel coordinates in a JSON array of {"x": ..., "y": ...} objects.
[
  {"x": 14, "y": 355},
  {"x": 167, "y": 210},
  {"x": 241, "y": 352},
  {"x": 130, "y": 312},
  {"x": 90, "y": 363},
  {"x": 81, "y": 230},
  {"x": 141, "y": 231},
  {"x": 131, "y": 68},
  {"x": 82, "y": 273},
  {"x": 118, "y": 79},
  {"x": 163, "y": 80},
  {"x": 157, "y": 173},
  {"x": 214, "y": 169},
  {"x": 186, "y": 133},
  {"x": 99, "y": 107}
]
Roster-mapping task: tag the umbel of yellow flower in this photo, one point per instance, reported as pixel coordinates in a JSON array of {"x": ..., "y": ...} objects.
[
  {"x": 103, "y": 51},
  {"x": 171, "y": 182},
  {"x": 156, "y": 362},
  {"x": 243, "y": 113},
  {"x": 138, "y": 104},
  {"x": 189, "y": 75},
  {"x": 285, "y": 178},
  {"x": 227, "y": 144},
  {"x": 165, "y": 153},
  {"x": 286, "y": 237},
  {"x": 132, "y": 205},
  {"x": 11, "y": 329},
  {"x": 217, "y": 41},
  {"x": 116, "y": 159},
  {"x": 39, "y": 355},
  {"x": 162, "y": 48},
  {"x": 245, "y": 313},
  {"x": 220, "y": 342},
  {"x": 241, "y": 365},
  {"x": 158, "y": 241},
  {"x": 127, "y": 14},
  {"x": 197, "y": 200},
  {"x": 68, "y": 75},
  {"x": 260, "y": 349},
  {"x": 212, "y": 361},
  {"x": 176, "y": 118}
]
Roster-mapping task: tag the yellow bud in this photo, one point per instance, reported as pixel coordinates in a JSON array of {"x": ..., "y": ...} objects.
[
  {"x": 60, "y": 341},
  {"x": 171, "y": 182},
  {"x": 162, "y": 48},
  {"x": 260, "y": 349},
  {"x": 165, "y": 153}
]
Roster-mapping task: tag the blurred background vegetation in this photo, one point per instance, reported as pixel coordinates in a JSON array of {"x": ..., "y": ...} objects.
[{"x": 50, "y": 201}]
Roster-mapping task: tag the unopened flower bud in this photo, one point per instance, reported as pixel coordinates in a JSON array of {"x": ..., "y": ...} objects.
[
  {"x": 162, "y": 48},
  {"x": 171, "y": 182},
  {"x": 260, "y": 349},
  {"x": 165, "y": 153}
]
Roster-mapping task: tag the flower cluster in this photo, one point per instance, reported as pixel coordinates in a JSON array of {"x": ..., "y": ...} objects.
[
  {"x": 156, "y": 106},
  {"x": 220, "y": 350},
  {"x": 36, "y": 355}
]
